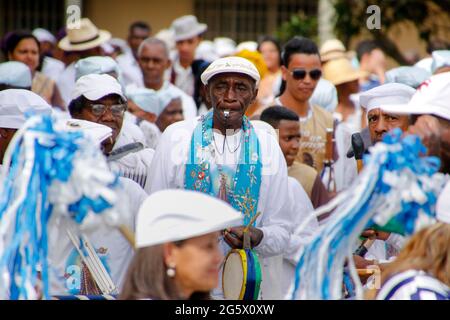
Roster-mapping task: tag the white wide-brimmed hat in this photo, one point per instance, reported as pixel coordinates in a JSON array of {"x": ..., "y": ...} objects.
[
  {"x": 86, "y": 37},
  {"x": 340, "y": 70},
  {"x": 230, "y": 65},
  {"x": 432, "y": 97},
  {"x": 187, "y": 27},
  {"x": 16, "y": 103},
  {"x": 174, "y": 215}
]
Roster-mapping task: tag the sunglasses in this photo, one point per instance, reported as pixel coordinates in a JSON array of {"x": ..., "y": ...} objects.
[
  {"x": 300, "y": 74},
  {"x": 117, "y": 110}
]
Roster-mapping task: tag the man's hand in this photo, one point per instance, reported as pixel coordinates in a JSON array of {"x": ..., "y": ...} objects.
[
  {"x": 428, "y": 129},
  {"x": 235, "y": 237}
]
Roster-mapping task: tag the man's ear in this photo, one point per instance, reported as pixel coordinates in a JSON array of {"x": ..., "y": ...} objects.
[
  {"x": 169, "y": 64},
  {"x": 284, "y": 72},
  {"x": 207, "y": 97}
]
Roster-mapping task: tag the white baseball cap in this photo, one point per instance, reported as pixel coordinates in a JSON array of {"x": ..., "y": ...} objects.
[
  {"x": 443, "y": 205},
  {"x": 97, "y": 86},
  {"x": 96, "y": 131},
  {"x": 173, "y": 215},
  {"x": 432, "y": 97},
  {"x": 231, "y": 65},
  {"x": 15, "y": 104},
  {"x": 15, "y": 74}
]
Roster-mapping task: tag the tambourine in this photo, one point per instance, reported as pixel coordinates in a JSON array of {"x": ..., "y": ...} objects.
[{"x": 241, "y": 278}]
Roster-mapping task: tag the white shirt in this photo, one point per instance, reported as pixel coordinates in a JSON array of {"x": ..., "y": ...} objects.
[
  {"x": 151, "y": 133},
  {"x": 52, "y": 68},
  {"x": 184, "y": 78},
  {"x": 136, "y": 165},
  {"x": 130, "y": 70},
  {"x": 66, "y": 83},
  {"x": 301, "y": 209},
  {"x": 413, "y": 285},
  {"x": 168, "y": 171},
  {"x": 111, "y": 247}
]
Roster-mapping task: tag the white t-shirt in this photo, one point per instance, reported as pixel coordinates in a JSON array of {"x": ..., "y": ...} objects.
[
  {"x": 168, "y": 171},
  {"x": 184, "y": 78}
]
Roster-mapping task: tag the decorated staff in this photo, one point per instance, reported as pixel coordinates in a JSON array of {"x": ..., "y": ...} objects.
[
  {"x": 49, "y": 170},
  {"x": 396, "y": 190}
]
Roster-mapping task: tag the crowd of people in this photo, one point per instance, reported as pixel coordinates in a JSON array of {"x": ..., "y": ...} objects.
[{"x": 223, "y": 146}]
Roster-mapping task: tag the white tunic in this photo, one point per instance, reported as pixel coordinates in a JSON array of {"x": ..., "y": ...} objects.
[
  {"x": 168, "y": 171},
  {"x": 184, "y": 78},
  {"x": 52, "y": 68},
  {"x": 66, "y": 83}
]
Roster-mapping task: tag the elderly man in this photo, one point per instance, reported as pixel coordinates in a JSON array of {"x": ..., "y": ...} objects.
[
  {"x": 154, "y": 60},
  {"x": 14, "y": 104},
  {"x": 221, "y": 154},
  {"x": 99, "y": 98},
  {"x": 431, "y": 111},
  {"x": 128, "y": 61}
]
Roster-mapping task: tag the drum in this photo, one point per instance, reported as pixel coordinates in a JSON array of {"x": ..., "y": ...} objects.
[{"x": 241, "y": 278}]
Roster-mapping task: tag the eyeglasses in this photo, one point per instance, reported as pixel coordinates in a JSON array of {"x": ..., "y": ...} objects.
[
  {"x": 300, "y": 74},
  {"x": 117, "y": 110}
]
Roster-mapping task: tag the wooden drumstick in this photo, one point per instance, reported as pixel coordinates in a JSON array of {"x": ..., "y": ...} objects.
[
  {"x": 128, "y": 235},
  {"x": 247, "y": 243}
]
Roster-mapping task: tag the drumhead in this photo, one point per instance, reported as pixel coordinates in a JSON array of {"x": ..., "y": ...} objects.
[{"x": 234, "y": 275}]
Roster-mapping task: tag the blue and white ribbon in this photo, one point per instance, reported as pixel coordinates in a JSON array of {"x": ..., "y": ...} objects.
[
  {"x": 397, "y": 184},
  {"x": 47, "y": 171}
]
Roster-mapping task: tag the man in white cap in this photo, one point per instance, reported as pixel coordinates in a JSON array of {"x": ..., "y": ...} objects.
[
  {"x": 51, "y": 67},
  {"x": 128, "y": 61},
  {"x": 156, "y": 111},
  {"x": 15, "y": 104},
  {"x": 186, "y": 70},
  {"x": 430, "y": 106},
  {"x": 221, "y": 154},
  {"x": 15, "y": 75},
  {"x": 154, "y": 61},
  {"x": 99, "y": 98},
  {"x": 81, "y": 42}
]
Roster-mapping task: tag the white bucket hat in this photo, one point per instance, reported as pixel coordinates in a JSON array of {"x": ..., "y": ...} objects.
[
  {"x": 230, "y": 65},
  {"x": 97, "y": 86},
  {"x": 173, "y": 215},
  {"x": 86, "y": 37},
  {"x": 432, "y": 97},
  {"x": 15, "y": 74},
  {"x": 187, "y": 27}
]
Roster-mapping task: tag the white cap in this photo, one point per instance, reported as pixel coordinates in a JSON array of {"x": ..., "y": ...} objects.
[
  {"x": 206, "y": 51},
  {"x": 187, "y": 27},
  {"x": 425, "y": 64},
  {"x": 432, "y": 97},
  {"x": 96, "y": 86},
  {"x": 15, "y": 74},
  {"x": 224, "y": 46},
  {"x": 441, "y": 58},
  {"x": 44, "y": 35},
  {"x": 95, "y": 65},
  {"x": 409, "y": 75},
  {"x": 16, "y": 103},
  {"x": 173, "y": 215},
  {"x": 247, "y": 45},
  {"x": 390, "y": 93},
  {"x": 96, "y": 131},
  {"x": 152, "y": 101},
  {"x": 443, "y": 205},
  {"x": 230, "y": 65}
]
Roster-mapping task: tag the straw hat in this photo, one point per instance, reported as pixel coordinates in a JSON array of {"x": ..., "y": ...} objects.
[
  {"x": 332, "y": 49},
  {"x": 340, "y": 70},
  {"x": 86, "y": 37}
]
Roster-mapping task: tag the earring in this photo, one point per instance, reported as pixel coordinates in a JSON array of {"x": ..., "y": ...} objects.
[{"x": 171, "y": 271}]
